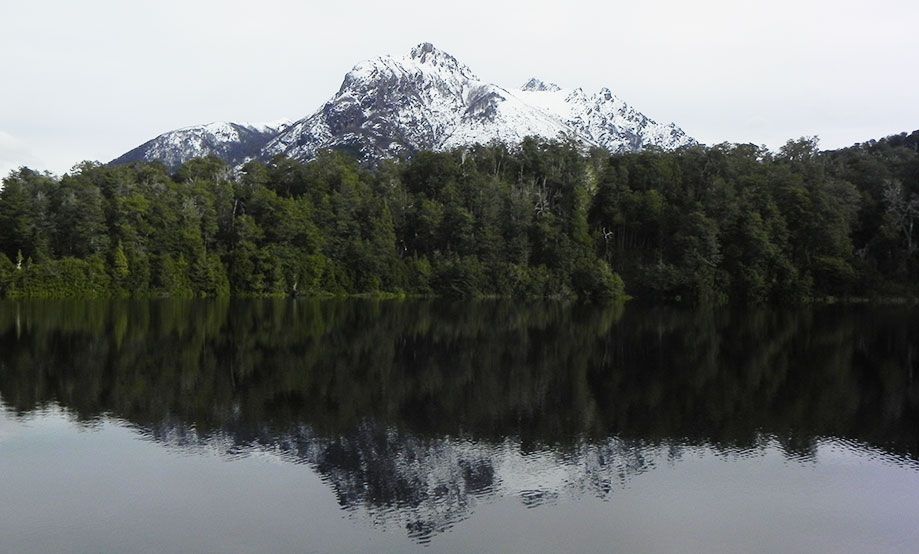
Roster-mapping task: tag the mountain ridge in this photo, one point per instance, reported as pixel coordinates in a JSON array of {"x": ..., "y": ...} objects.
[{"x": 388, "y": 107}]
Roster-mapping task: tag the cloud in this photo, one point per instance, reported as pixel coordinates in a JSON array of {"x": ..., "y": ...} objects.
[
  {"x": 14, "y": 153},
  {"x": 90, "y": 83}
]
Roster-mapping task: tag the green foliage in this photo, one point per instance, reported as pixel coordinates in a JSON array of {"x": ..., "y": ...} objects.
[
  {"x": 595, "y": 280},
  {"x": 64, "y": 278},
  {"x": 7, "y": 274},
  {"x": 120, "y": 267},
  {"x": 172, "y": 277},
  {"x": 698, "y": 224}
]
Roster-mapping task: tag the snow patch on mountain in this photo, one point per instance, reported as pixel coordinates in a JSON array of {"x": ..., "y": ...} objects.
[{"x": 494, "y": 114}]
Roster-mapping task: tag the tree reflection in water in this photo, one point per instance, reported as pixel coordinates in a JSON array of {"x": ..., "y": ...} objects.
[{"x": 414, "y": 411}]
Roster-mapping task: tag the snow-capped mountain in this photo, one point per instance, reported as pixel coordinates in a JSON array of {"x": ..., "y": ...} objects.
[
  {"x": 234, "y": 142},
  {"x": 427, "y": 100},
  {"x": 424, "y": 101}
]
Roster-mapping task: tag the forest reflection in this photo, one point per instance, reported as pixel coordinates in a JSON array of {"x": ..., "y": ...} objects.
[{"x": 416, "y": 410}]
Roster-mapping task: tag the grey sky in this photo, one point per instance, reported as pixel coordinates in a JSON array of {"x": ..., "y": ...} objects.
[{"x": 91, "y": 79}]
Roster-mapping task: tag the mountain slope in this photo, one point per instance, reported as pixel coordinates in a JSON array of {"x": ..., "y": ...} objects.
[
  {"x": 233, "y": 142},
  {"x": 602, "y": 118},
  {"x": 427, "y": 100}
]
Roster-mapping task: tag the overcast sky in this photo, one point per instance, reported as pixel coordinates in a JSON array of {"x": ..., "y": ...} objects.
[{"x": 91, "y": 79}]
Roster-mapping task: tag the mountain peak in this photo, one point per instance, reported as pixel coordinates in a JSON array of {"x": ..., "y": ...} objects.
[
  {"x": 427, "y": 57},
  {"x": 428, "y": 53},
  {"x": 538, "y": 85}
]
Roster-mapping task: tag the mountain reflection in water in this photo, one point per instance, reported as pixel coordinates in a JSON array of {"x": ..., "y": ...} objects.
[{"x": 415, "y": 412}]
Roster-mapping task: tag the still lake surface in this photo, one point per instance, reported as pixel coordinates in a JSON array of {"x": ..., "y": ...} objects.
[{"x": 299, "y": 426}]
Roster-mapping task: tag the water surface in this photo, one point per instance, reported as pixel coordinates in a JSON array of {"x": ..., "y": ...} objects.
[{"x": 296, "y": 425}]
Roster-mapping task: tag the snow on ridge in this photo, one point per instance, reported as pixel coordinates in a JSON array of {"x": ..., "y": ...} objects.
[
  {"x": 273, "y": 126},
  {"x": 606, "y": 120},
  {"x": 232, "y": 142},
  {"x": 538, "y": 85}
]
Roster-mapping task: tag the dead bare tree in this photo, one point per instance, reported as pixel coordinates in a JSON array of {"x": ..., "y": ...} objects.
[
  {"x": 903, "y": 212},
  {"x": 544, "y": 199}
]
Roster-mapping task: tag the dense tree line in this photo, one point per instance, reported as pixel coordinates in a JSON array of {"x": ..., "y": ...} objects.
[{"x": 542, "y": 220}]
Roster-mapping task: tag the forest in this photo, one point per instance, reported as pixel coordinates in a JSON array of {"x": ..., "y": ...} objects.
[{"x": 730, "y": 222}]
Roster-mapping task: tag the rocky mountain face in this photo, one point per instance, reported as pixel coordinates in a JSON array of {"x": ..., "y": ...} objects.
[{"x": 427, "y": 100}]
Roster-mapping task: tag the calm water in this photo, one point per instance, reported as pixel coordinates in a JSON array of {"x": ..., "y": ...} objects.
[{"x": 398, "y": 426}]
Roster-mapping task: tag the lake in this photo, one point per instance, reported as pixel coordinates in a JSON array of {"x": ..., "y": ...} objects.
[{"x": 343, "y": 426}]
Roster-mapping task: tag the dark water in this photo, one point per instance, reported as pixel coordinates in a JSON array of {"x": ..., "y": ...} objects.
[{"x": 361, "y": 426}]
